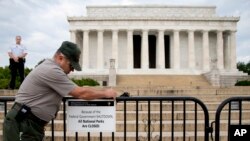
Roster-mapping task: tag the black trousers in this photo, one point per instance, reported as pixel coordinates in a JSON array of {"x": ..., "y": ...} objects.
[{"x": 14, "y": 68}]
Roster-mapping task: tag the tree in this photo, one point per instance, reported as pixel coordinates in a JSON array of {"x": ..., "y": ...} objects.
[
  {"x": 245, "y": 67},
  {"x": 248, "y": 67}
]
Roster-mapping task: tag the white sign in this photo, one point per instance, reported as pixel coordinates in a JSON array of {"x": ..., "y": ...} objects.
[{"x": 91, "y": 116}]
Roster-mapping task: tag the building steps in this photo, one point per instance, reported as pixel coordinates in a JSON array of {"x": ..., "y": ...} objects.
[{"x": 161, "y": 80}]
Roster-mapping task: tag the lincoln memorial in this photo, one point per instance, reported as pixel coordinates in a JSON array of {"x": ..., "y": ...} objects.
[{"x": 156, "y": 40}]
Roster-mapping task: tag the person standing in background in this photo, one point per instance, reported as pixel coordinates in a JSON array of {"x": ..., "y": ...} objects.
[{"x": 17, "y": 54}]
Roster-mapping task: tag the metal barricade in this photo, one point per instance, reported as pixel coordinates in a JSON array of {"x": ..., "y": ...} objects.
[
  {"x": 235, "y": 110},
  {"x": 150, "y": 118}
]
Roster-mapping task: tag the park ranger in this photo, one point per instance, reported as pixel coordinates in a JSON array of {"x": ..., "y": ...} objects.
[{"x": 39, "y": 97}]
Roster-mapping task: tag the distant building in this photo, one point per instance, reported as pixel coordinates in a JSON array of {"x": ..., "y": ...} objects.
[{"x": 153, "y": 39}]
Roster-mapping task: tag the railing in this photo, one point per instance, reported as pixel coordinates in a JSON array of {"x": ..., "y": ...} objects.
[
  {"x": 152, "y": 123},
  {"x": 171, "y": 102},
  {"x": 6, "y": 99},
  {"x": 238, "y": 106}
]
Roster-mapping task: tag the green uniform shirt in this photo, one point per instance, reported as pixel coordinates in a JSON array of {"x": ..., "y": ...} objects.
[{"x": 43, "y": 89}]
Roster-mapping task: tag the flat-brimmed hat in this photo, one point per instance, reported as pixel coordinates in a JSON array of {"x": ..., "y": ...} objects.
[{"x": 72, "y": 52}]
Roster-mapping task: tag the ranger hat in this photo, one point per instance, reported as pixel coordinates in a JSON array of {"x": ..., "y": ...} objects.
[{"x": 72, "y": 52}]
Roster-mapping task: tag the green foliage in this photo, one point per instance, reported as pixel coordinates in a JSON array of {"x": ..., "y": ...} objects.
[
  {"x": 5, "y": 77},
  {"x": 245, "y": 67},
  {"x": 4, "y": 83},
  {"x": 27, "y": 71},
  {"x": 243, "y": 83},
  {"x": 85, "y": 82},
  {"x": 4, "y": 72}
]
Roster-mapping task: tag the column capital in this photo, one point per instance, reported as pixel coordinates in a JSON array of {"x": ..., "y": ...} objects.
[
  {"x": 161, "y": 30},
  {"x": 233, "y": 31},
  {"x": 85, "y": 30},
  {"x": 204, "y": 30},
  {"x": 100, "y": 30},
  {"x": 190, "y": 30},
  {"x": 71, "y": 30},
  {"x": 219, "y": 33},
  {"x": 219, "y": 30},
  {"x": 114, "y": 30},
  {"x": 129, "y": 29}
]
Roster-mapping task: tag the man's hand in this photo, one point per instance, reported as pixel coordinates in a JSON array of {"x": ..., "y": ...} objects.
[
  {"x": 16, "y": 59},
  {"x": 110, "y": 93}
]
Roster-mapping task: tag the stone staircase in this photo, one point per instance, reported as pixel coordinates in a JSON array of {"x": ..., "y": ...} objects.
[
  {"x": 211, "y": 96},
  {"x": 161, "y": 80},
  {"x": 225, "y": 78}
]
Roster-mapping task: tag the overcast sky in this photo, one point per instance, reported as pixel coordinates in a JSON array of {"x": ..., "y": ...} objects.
[{"x": 43, "y": 24}]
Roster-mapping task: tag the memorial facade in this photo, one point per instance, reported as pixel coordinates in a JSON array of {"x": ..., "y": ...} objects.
[{"x": 153, "y": 39}]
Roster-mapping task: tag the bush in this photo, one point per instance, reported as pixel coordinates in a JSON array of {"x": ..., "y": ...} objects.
[
  {"x": 85, "y": 82},
  {"x": 5, "y": 77},
  {"x": 4, "y": 83},
  {"x": 243, "y": 83},
  {"x": 245, "y": 67}
]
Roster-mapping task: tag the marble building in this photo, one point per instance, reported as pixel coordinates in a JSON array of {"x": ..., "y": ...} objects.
[{"x": 154, "y": 39}]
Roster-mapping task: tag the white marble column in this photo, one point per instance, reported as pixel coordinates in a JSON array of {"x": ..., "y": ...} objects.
[
  {"x": 160, "y": 51},
  {"x": 73, "y": 36},
  {"x": 85, "y": 58},
  {"x": 227, "y": 51},
  {"x": 176, "y": 64},
  {"x": 220, "y": 56},
  {"x": 130, "y": 53},
  {"x": 100, "y": 57},
  {"x": 205, "y": 50},
  {"x": 233, "y": 64},
  {"x": 144, "y": 50},
  {"x": 191, "y": 50},
  {"x": 115, "y": 47}
]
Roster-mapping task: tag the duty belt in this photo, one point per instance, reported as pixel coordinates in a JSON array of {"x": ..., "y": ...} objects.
[{"x": 30, "y": 116}]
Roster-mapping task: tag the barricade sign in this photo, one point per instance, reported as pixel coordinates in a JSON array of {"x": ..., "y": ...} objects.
[{"x": 91, "y": 116}]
